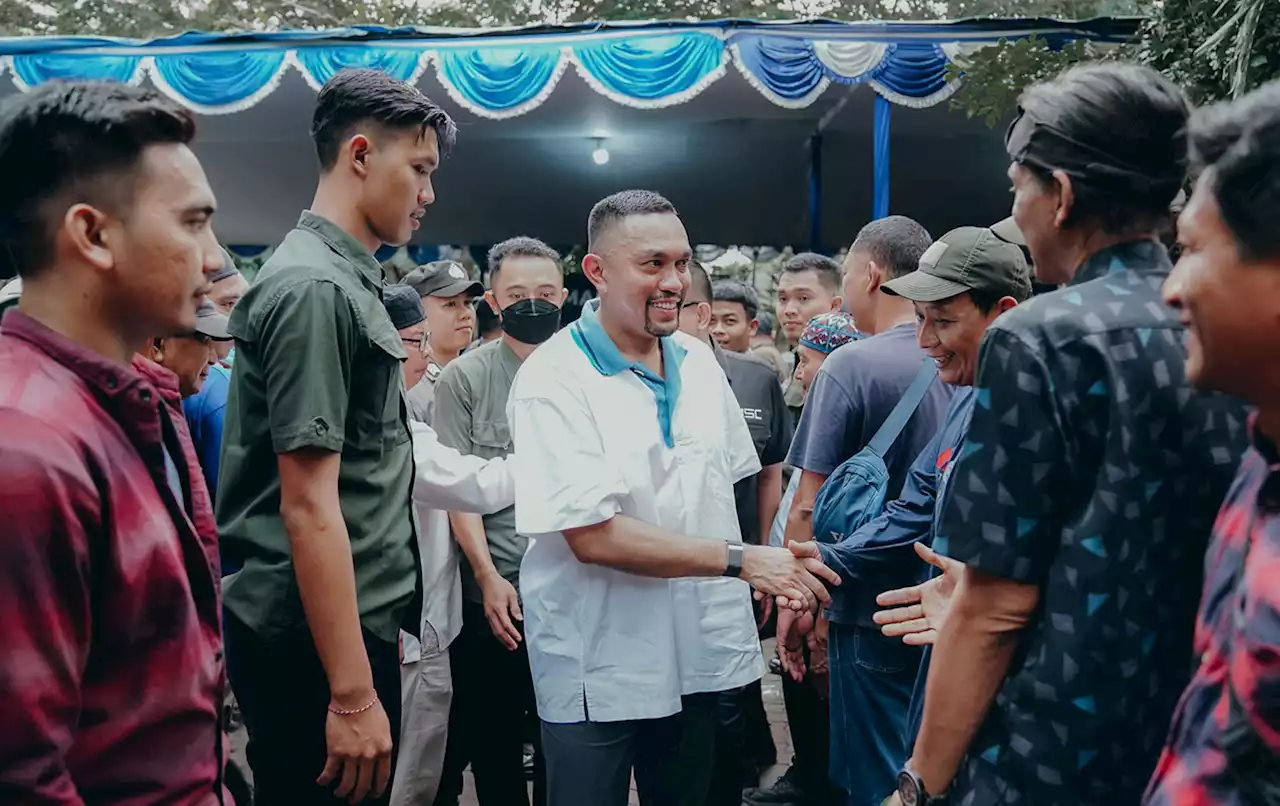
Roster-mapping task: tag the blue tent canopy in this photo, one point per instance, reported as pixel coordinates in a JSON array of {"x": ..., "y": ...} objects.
[{"x": 804, "y": 70}]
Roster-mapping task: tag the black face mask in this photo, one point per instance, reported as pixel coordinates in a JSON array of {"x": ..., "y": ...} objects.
[{"x": 531, "y": 321}]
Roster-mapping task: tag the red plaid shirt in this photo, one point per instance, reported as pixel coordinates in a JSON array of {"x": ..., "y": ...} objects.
[
  {"x": 1227, "y": 724},
  {"x": 111, "y": 672}
]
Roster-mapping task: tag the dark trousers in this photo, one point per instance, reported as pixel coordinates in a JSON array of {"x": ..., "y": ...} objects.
[
  {"x": 284, "y": 697},
  {"x": 760, "y": 749},
  {"x": 492, "y": 699},
  {"x": 590, "y": 763},
  {"x": 712, "y": 757},
  {"x": 808, "y": 718}
]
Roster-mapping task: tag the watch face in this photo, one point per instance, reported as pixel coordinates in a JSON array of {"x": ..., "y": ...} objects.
[{"x": 908, "y": 790}]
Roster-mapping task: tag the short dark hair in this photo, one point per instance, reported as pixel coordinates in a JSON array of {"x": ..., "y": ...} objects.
[
  {"x": 520, "y": 246},
  {"x": 827, "y": 270},
  {"x": 73, "y": 142},
  {"x": 764, "y": 323},
  {"x": 895, "y": 243},
  {"x": 624, "y": 204},
  {"x": 1240, "y": 142},
  {"x": 700, "y": 282},
  {"x": 357, "y": 96},
  {"x": 739, "y": 292},
  {"x": 1120, "y": 131}
]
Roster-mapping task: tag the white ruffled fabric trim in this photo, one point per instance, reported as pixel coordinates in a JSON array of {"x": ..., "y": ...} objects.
[
  {"x": 849, "y": 59},
  {"x": 774, "y": 98},
  {"x": 917, "y": 103},
  {"x": 504, "y": 114},
  {"x": 291, "y": 59},
  {"x": 712, "y": 76},
  {"x": 249, "y": 101}
]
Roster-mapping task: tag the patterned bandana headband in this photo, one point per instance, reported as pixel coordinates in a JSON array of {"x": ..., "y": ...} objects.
[{"x": 827, "y": 331}]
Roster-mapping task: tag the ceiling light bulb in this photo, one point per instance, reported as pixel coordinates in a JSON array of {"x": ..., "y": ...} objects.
[{"x": 600, "y": 156}]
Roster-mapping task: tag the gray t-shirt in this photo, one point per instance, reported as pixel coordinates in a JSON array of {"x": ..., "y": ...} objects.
[
  {"x": 852, "y": 395},
  {"x": 471, "y": 417}
]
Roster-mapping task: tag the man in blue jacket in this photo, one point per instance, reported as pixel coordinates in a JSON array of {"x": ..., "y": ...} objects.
[{"x": 965, "y": 280}]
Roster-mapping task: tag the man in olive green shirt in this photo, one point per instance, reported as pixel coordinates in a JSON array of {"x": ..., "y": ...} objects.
[
  {"x": 317, "y": 465},
  {"x": 493, "y": 688}
]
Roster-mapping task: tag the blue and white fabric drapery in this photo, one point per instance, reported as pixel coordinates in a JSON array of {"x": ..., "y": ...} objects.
[{"x": 504, "y": 74}]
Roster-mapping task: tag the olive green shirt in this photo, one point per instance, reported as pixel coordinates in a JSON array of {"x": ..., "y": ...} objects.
[
  {"x": 318, "y": 366},
  {"x": 471, "y": 417}
]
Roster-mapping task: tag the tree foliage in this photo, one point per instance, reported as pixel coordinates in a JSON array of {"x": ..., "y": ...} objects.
[{"x": 1213, "y": 50}]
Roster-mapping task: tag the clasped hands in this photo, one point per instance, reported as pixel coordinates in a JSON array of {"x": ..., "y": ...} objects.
[{"x": 914, "y": 614}]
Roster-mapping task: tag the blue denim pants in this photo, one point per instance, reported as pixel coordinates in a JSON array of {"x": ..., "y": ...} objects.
[{"x": 871, "y": 681}]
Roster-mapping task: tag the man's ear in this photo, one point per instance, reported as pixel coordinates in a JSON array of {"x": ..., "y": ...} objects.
[
  {"x": 356, "y": 152},
  {"x": 493, "y": 302},
  {"x": 875, "y": 277},
  {"x": 837, "y": 303},
  {"x": 1066, "y": 198},
  {"x": 593, "y": 268},
  {"x": 753, "y": 328},
  {"x": 704, "y": 315}
]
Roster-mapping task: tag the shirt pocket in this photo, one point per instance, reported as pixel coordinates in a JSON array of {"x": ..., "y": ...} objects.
[
  {"x": 491, "y": 439},
  {"x": 377, "y": 408}
]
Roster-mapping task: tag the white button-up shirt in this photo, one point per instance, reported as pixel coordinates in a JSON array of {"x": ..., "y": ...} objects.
[
  {"x": 446, "y": 480},
  {"x": 594, "y": 440}
]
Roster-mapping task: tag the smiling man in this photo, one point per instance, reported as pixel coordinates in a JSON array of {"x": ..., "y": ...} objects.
[
  {"x": 966, "y": 279},
  {"x": 628, "y": 441},
  {"x": 317, "y": 468},
  {"x": 808, "y": 286},
  {"x": 1225, "y": 738}
]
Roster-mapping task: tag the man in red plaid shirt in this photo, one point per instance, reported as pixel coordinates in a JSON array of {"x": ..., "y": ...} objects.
[
  {"x": 111, "y": 673},
  {"x": 1224, "y": 745}
]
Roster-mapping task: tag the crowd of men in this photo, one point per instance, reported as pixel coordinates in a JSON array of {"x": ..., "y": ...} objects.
[{"x": 1014, "y": 548}]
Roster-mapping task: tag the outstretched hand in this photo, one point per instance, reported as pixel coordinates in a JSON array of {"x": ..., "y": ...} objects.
[{"x": 915, "y": 614}]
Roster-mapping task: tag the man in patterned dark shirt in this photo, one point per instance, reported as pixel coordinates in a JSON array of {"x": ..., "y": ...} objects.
[
  {"x": 1225, "y": 740},
  {"x": 1083, "y": 498}
]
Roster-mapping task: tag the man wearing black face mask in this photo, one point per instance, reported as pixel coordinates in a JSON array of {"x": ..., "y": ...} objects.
[{"x": 493, "y": 691}]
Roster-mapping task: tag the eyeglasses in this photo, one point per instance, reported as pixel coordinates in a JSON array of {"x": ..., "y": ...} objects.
[
  {"x": 690, "y": 304},
  {"x": 420, "y": 342}
]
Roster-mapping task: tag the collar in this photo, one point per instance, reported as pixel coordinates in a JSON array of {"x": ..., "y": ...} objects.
[
  {"x": 109, "y": 380},
  {"x": 347, "y": 247},
  {"x": 591, "y": 338},
  {"x": 165, "y": 382},
  {"x": 1145, "y": 255}
]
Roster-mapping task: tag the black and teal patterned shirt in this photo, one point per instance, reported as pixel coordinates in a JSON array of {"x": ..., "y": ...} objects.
[{"x": 1092, "y": 470}]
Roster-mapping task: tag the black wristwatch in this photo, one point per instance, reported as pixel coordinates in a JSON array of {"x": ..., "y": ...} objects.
[
  {"x": 911, "y": 790},
  {"x": 733, "y": 568}
]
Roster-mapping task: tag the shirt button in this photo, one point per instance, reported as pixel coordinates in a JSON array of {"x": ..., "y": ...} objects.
[
  {"x": 145, "y": 394},
  {"x": 112, "y": 382}
]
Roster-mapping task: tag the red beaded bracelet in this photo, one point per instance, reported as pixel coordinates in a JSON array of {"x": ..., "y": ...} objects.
[{"x": 360, "y": 710}]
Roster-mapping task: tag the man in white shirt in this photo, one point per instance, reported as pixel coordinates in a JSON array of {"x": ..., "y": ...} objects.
[{"x": 628, "y": 441}]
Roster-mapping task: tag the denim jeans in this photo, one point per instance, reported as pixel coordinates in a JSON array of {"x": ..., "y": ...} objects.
[{"x": 871, "y": 681}]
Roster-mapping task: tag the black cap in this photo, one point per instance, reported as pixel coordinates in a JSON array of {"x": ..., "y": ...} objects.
[
  {"x": 443, "y": 278},
  {"x": 965, "y": 259},
  {"x": 403, "y": 305}
]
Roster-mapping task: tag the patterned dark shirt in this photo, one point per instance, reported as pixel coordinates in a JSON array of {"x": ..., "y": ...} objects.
[
  {"x": 1230, "y": 714},
  {"x": 111, "y": 673},
  {"x": 1093, "y": 471}
]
